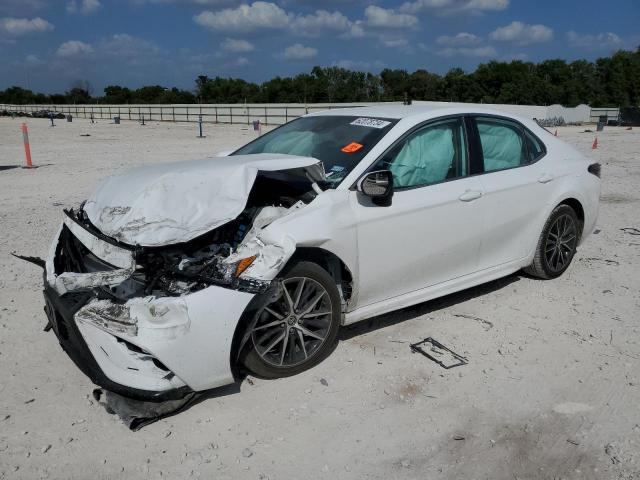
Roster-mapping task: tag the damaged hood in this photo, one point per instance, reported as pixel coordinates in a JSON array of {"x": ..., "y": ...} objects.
[{"x": 177, "y": 202}]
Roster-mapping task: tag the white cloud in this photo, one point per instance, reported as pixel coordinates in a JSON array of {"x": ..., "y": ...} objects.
[
  {"x": 262, "y": 15},
  {"x": 84, "y": 7},
  {"x": 73, "y": 48},
  {"x": 233, "y": 45},
  {"x": 452, "y": 6},
  {"x": 298, "y": 51},
  {"x": 32, "y": 61},
  {"x": 387, "y": 18},
  {"x": 241, "y": 62},
  {"x": 462, "y": 39},
  {"x": 596, "y": 41},
  {"x": 358, "y": 65},
  {"x": 522, "y": 34},
  {"x": 258, "y": 15},
  {"x": 185, "y": 2},
  {"x": 22, "y": 26},
  {"x": 468, "y": 52},
  {"x": 316, "y": 23},
  {"x": 128, "y": 46},
  {"x": 394, "y": 42}
]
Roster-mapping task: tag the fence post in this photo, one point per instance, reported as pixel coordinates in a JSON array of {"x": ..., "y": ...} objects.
[
  {"x": 231, "y": 115},
  {"x": 150, "y": 118},
  {"x": 216, "y": 114},
  {"x": 286, "y": 115},
  {"x": 173, "y": 112},
  {"x": 248, "y": 110},
  {"x": 187, "y": 113}
]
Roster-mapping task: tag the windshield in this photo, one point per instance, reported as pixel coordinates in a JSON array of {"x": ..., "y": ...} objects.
[{"x": 340, "y": 142}]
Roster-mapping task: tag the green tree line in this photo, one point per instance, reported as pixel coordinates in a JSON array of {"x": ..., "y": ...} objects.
[{"x": 607, "y": 81}]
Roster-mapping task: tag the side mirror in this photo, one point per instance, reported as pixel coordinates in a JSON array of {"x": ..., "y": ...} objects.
[{"x": 378, "y": 186}]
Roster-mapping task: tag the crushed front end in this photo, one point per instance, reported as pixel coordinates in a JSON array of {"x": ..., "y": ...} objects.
[
  {"x": 146, "y": 282},
  {"x": 155, "y": 323}
]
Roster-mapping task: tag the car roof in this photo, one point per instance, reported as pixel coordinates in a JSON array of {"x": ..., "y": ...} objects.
[{"x": 416, "y": 112}]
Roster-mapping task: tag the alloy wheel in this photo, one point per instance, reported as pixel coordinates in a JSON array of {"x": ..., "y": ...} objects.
[
  {"x": 560, "y": 243},
  {"x": 291, "y": 329}
]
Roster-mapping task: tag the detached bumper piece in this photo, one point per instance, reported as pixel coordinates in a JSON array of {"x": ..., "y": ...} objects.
[{"x": 137, "y": 413}]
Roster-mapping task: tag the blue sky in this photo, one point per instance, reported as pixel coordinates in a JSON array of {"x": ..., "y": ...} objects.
[{"x": 49, "y": 45}]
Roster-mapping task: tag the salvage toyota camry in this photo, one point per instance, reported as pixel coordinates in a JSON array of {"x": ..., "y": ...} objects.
[{"x": 177, "y": 278}]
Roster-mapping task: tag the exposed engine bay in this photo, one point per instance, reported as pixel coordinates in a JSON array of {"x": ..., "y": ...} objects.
[{"x": 219, "y": 257}]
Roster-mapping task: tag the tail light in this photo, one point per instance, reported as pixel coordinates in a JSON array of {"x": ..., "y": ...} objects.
[{"x": 594, "y": 169}]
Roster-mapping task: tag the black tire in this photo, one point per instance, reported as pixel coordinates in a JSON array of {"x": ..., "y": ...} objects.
[
  {"x": 557, "y": 244},
  {"x": 263, "y": 363}
]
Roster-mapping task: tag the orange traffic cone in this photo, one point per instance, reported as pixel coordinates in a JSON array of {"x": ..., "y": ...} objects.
[
  {"x": 556, "y": 133},
  {"x": 595, "y": 144}
]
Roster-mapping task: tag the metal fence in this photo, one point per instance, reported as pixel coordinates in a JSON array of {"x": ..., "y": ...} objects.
[
  {"x": 268, "y": 114},
  {"x": 278, "y": 114}
]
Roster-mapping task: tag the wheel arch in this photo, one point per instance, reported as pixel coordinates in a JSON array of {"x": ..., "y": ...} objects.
[
  {"x": 577, "y": 207},
  {"x": 329, "y": 261},
  {"x": 334, "y": 265}
]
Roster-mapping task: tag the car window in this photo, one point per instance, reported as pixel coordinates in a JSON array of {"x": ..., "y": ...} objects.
[
  {"x": 534, "y": 146},
  {"x": 502, "y": 144},
  {"x": 432, "y": 154},
  {"x": 339, "y": 141}
]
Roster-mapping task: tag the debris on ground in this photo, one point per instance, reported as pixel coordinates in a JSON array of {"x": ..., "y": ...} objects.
[
  {"x": 631, "y": 230},
  {"x": 137, "y": 413},
  {"x": 486, "y": 324},
  {"x": 611, "y": 450},
  {"x": 246, "y": 453},
  {"x": 437, "y": 352}
]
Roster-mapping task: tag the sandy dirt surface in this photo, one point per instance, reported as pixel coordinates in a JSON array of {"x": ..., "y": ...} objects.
[{"x": 551, "y": 390}]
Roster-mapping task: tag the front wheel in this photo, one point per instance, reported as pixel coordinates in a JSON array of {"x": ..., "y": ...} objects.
[
  {"x": 297, "y": 329},
  {"x": 557, "y": 244}
]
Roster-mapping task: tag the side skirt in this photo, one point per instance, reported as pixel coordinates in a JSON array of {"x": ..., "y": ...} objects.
[{"x": 434, "y": 291}]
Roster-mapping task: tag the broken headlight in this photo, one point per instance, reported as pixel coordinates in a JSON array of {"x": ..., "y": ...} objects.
[{"x": 177, "y": 273}]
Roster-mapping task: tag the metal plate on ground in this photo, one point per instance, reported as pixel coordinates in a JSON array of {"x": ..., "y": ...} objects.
[{"x": 437, "y": 352}]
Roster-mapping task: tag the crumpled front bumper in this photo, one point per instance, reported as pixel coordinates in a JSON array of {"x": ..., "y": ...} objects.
[{"x": 146, "y": 348}]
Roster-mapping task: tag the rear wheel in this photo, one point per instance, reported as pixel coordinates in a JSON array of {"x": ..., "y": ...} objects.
[
  {"x": 297, "y": 329},
  {"x": 557, "y": 244}
]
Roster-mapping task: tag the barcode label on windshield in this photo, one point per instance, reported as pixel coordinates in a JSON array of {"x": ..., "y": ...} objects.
[{"x": 370, "y": 122}]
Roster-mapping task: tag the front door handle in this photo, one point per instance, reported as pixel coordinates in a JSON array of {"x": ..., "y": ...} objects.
[
  {"x": 545, "y": 178},
  {"x": 470, "y": 195}
]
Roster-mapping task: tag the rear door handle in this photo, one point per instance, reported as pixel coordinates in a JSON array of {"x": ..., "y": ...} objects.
[
  {"x": 545, "y": 178},
  {"x": 470, "y": 195}
]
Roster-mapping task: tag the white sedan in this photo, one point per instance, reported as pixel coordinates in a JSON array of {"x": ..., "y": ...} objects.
[{"x": 178, "y": 278}]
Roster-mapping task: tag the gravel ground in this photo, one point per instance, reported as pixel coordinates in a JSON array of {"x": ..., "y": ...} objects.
[{"x": 551, "y": 390}]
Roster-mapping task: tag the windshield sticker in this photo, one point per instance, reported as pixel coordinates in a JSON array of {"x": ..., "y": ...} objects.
[
  {"x": 351, "y": 148},
  {"x": 370, "y": 122}
]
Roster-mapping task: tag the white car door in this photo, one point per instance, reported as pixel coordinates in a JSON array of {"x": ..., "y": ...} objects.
[
  {"x": 431, "y": 231},
  {"x": 515, "y": 187}
]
